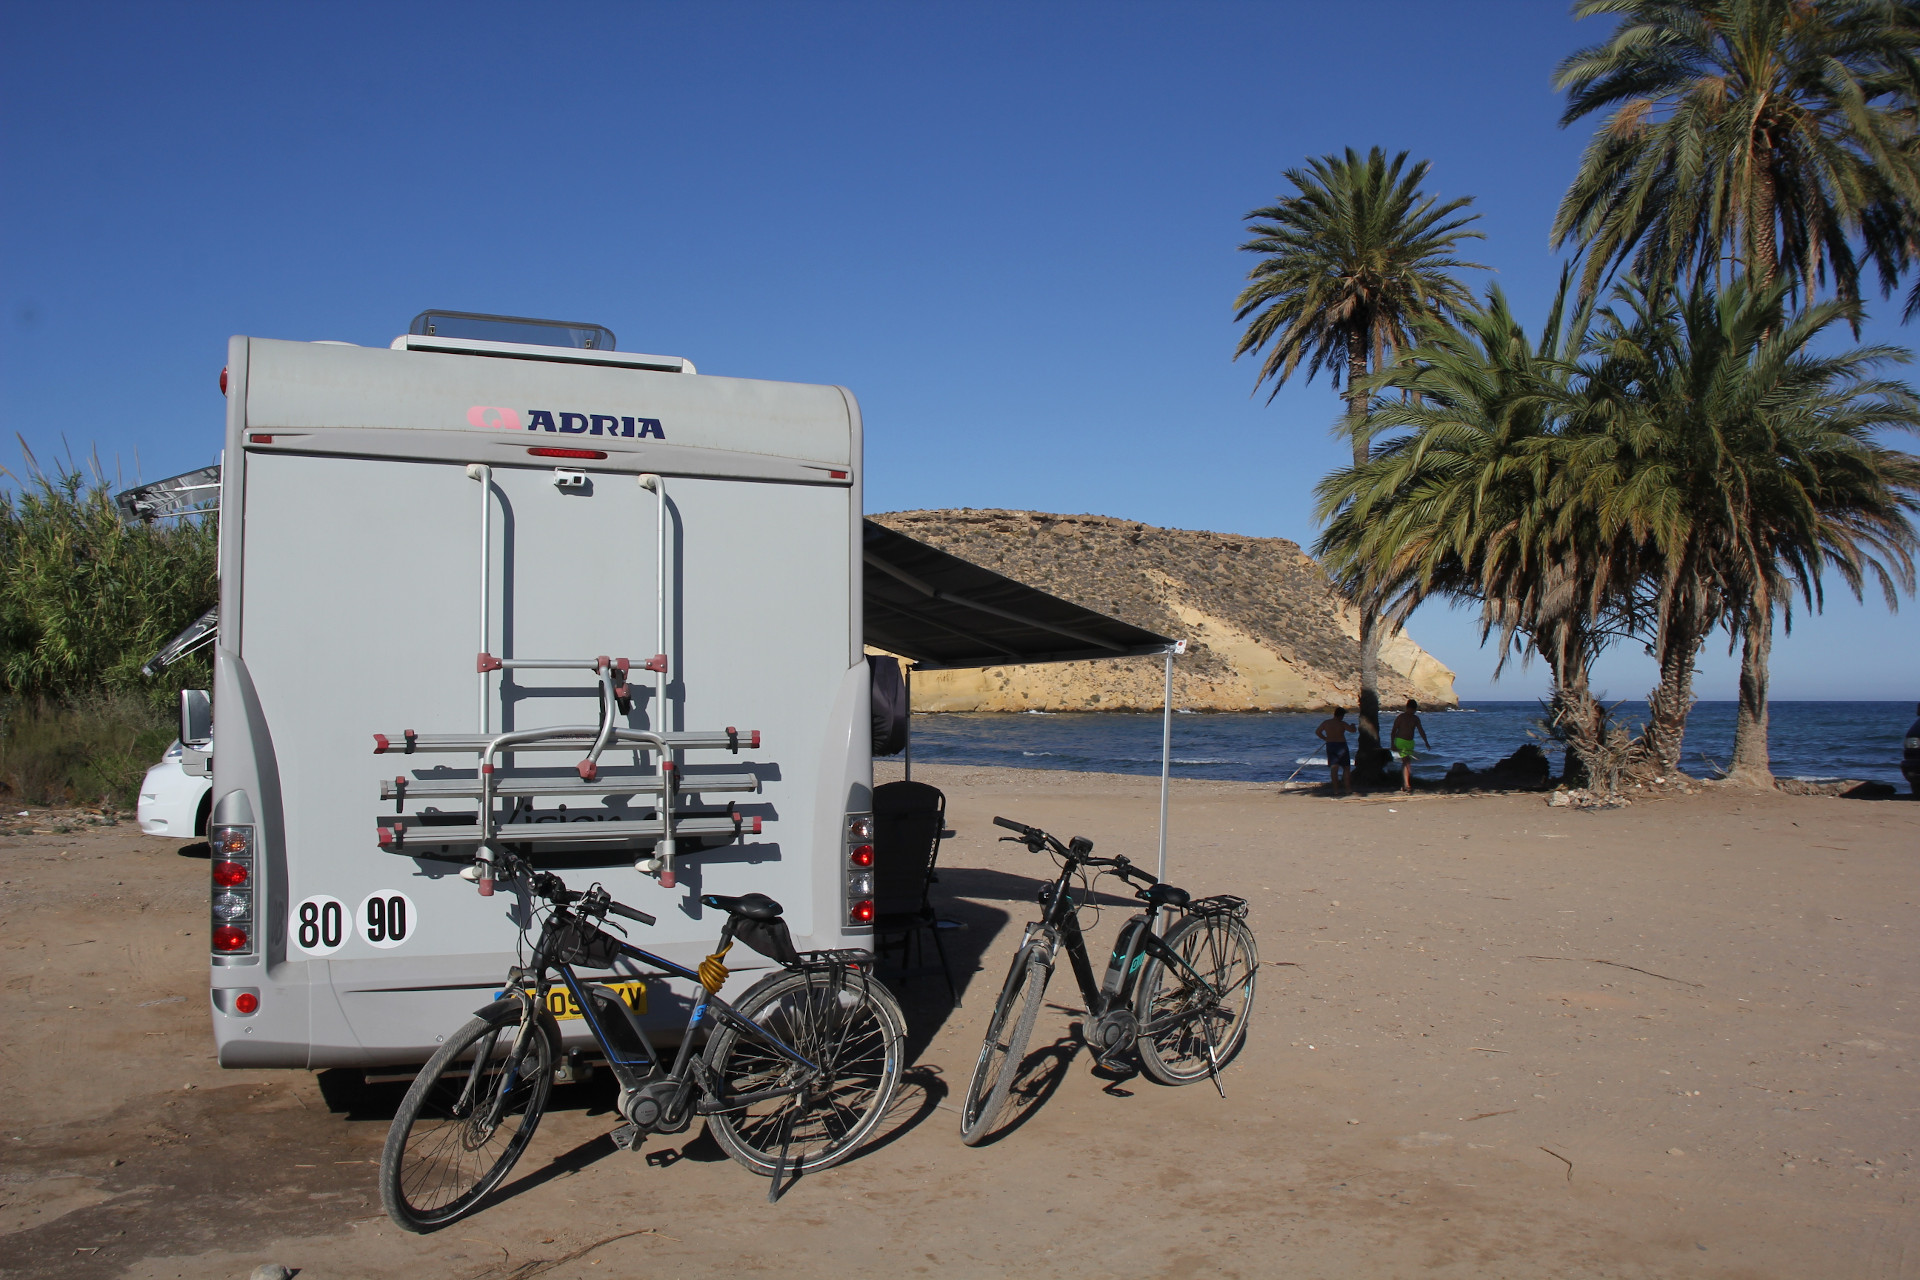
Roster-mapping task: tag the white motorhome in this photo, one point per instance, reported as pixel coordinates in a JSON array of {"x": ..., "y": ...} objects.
[{"x": 627, "y": 546}]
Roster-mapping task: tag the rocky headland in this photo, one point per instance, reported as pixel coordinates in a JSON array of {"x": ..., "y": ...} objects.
[{"x": 1266, "y": 630}]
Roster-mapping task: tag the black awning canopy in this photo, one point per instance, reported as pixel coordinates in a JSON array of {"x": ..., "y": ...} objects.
[{"x": 944, "y": 612}]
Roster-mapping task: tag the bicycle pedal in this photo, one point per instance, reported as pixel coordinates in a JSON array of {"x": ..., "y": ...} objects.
[{"x": 628, "y": 1137}]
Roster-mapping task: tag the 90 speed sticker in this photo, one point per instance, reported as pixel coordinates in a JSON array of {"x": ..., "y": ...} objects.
[{"x": 385, "y": 919}]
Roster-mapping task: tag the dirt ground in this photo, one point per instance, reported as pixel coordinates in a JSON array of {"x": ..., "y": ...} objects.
[{"x": 1491, "y": 1038}]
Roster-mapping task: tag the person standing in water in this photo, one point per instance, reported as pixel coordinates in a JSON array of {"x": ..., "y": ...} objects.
[
  {"x": 1333, "y": 732},
  {"x": 1405, "y": 725},
  {"x": 1909, "y": 756}
]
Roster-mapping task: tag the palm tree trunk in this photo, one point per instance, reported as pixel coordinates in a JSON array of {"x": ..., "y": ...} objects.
[
  {"x": 1766, "y": 255},
  {"x": 1751, "y": 762},
  {"x": 1672, "y": 699},
  {"x": 1369, "y": 760},
  {"x": 1570, "y": 704}
]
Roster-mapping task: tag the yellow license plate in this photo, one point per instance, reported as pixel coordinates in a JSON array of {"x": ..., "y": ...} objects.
[{"x": 562, "y": 1005}]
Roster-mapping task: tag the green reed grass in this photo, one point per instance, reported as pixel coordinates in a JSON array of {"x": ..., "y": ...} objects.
[
  {"x": 91, "y": 751},
  {"x": 85, "y": 599}
]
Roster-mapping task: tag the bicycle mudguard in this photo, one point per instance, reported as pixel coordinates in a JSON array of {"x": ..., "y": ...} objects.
[{"x": 1220, "y": 904}]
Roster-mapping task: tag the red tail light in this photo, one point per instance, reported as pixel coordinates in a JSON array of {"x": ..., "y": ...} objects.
[
  {"x": 246, "y": 1002},
  {"x": 233, "y": 889},
  {"x": 857, "y": 878},
  {"x": 567, "y": 453}
]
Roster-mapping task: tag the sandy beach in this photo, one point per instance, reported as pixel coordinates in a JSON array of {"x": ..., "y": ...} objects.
[{"x": 1491, "y": 1038}]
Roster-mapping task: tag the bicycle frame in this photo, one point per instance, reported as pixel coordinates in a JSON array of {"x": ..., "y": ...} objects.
[
  {"x": 633, "y": 1070},
  {"x": 1139, "y": 938}
]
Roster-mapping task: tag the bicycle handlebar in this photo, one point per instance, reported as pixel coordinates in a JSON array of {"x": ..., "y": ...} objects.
[
  {"x": 621, "y": 909},
  {"x": 554, "y": 890}
]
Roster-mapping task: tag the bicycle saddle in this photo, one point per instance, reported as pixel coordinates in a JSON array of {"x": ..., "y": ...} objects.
[
  {"x": 753, "y": 906},
  {"x": 1165, "y": 894}
]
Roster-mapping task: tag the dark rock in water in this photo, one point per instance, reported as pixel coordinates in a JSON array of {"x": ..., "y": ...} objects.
[
  {"x": 1528, "y": 766},
  {"x": 1525, "y": 769}
]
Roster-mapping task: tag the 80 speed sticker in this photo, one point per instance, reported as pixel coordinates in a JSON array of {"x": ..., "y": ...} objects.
[{"x": 385, "y": 919}]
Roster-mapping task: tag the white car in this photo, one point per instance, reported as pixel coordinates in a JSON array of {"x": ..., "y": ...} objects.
[{"x": 174, "y": 802}]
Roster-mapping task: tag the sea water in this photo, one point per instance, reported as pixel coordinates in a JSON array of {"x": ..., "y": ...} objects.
[{"x": 1816, "y": 740}]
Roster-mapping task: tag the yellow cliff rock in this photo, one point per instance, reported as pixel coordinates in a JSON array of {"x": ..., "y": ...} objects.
[{"x": 1265, "y": 629}]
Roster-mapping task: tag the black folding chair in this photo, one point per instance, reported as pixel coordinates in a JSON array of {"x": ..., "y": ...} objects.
[{"x": 909, "y": 821}]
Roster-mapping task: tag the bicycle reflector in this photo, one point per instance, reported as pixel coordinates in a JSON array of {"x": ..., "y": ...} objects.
[
  {"x": 859, "y": 869},
  {"x": 232, "y": 904}
]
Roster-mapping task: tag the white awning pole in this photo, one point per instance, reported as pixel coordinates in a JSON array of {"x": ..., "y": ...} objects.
[
  {"x": 908, "y": 668},
  {"x": 1166, "y": 760}
]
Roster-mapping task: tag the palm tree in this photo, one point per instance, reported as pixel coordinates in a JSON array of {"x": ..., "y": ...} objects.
[
  {"x": 1475, "y": 499},
  {"x": 1659, "y": 385},
  {"x": 1350, "y": 262},
  {"x": 1743, "y": 466},
  {"x": 1772, "y": 133},
  {"x": 1810, "y": 490}
]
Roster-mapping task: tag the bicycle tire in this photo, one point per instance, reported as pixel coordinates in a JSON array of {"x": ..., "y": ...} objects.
[
  {"x": 1000, "y": 1059},
  {"x": 845, "y": 1022},
  {"x": 1220, "y": 949},
  {"x": 442, "y": 1158}
]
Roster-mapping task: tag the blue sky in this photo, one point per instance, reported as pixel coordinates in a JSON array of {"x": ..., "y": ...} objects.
[{"x": 1010, "y": 229}]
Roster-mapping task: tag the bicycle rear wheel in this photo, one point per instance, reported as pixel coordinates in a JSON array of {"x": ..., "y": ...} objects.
[
  {"x": 470, "y": 1113},
  {"x": 842, "y": 1021},
  {"x": 1185, "y": 1033},
  {"x": 1005, "y": 1045}
]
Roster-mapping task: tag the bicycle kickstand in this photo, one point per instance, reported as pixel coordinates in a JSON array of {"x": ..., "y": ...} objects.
[
  {"x": 1213, "y": 1059},
  {"x": 780, "y": 1165}
]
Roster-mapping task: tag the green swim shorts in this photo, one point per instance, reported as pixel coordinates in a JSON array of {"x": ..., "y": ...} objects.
[{"x": 1403, "y": 747}]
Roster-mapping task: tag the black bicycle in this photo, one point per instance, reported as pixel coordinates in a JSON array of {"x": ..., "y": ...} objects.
[
  {"x": 792, "y": 1079},
  {"x": 1180, "y": 1001}
]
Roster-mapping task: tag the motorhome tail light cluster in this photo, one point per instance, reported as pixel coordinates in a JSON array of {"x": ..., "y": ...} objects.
[
  {"x": 859, "y": 869},
  {"x": 233, "y": 885}
]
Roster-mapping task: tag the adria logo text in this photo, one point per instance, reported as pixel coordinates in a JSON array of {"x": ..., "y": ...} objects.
[{"x": 496, "y": 417}]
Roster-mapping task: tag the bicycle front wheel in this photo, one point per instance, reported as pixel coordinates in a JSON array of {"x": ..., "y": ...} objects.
[
  {"x": 469, "y": 1115},
  {"x": 851, "y": 1029},
  {"x": 1005, "y": 1045},
  {"x": 1186, "y": 1032}
]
